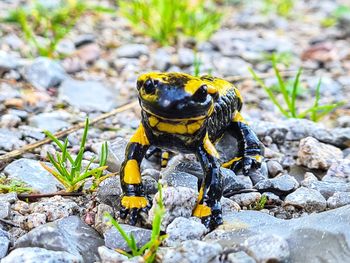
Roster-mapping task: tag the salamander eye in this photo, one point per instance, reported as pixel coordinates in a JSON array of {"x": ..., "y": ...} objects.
[
  {"x": 201, "y": 94},
  {"x": 150, "y": 86}
]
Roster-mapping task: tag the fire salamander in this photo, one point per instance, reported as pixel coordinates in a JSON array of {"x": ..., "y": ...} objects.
[{"x": 187, "y": 114}]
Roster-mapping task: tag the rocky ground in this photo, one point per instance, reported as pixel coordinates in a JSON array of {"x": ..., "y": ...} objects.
[{"x": 305, "y": 175}]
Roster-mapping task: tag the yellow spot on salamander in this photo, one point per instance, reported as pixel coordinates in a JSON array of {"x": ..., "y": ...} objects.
[
  {"x": 183, "y": 127},
  {"x": 238, "y": 118},
  {"x": 140, "y": 136},
  {"x": 202, "y": 211},
  {"x": 132, "y": 172},
  {"x": 130, "y": 202},
  {"x": 153, "y": 121},
  {"x": 258, "y": 158},
  {"x": 209, "y": 147},
  {"x": 230, "y": 162}
]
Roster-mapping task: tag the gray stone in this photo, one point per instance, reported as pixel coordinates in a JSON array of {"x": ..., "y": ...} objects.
[
  {"x": 183, "y": 179},
  {"x": 101, "y": 221},
  {"x": 116, "y": 153},
  {"x": 36, "y": 254},
  {"x": 44, "y": 73},
  {"x": 239, "y": 257},
  {"x": 318, "y": 237},
  {"x": 33, "y": 220},
  {"x": 246, "y": 199},
  {"x": 10, "y": 140},
  {"x": 109, "y": 191},
  {"x": 308, "y": 199},
  {"x": 110, "y": 256},
  {"x": 5, "y": 210},
  {"x": 327, "y": 189},
  {"x": 7, "y": 62},
  {"x": 4, "y": 243},
  {"x": 281, "y": 185},
  {"x": 316, "y": 155},
  {"x": 339, "y": 199},
  {"x": 132, "y": 51},
  {"x": 150, "y": 185},
  {"x": 343, "y": 121},
  {"x": 9, "y": 121},
  {"x": 234, "y": 183},
  {"x": 178, "y": 201},
  {"x": 274, "y": 168},
  {"x": 51, "y": 121},
  {"x": 231, "y": 66},
  {"x": 229, "y": 205},
  {"x": 267, "y": 248},
  {"x": 162, "y": 59},
  {"x": 87, "y": 95},
  {"x": 182, "y": 229},
  {"x": 9, "y": 197},
  {"x": 185, "y": 57},
  {"x": 338, "y": 172},
  {"x": 33, "y": 174},
  {"x": 193, "y": 251},
  {"x": 69, "y": 234},
  {"x": 114, "y": 240}
]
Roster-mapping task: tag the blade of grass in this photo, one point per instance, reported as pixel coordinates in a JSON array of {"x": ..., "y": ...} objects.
[
  {"x": 295, "y": 93},
  {"x": 282, "y": 86}
]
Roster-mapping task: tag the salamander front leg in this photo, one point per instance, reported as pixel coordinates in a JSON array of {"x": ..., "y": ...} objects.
[
  {"x": 133, "y": 201},
  {"x": 208, "y": 205}
]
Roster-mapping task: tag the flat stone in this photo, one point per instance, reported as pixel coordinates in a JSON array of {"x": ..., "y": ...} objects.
[
  {"x": 233, "y": 183},
  {"x": 44, "y": 73},
  {"x": 33, "y": 174},
  {"x": 36, "y": 254},
  {"x": 239, "y": 257},
  {"x": 114, "y": 240},
  {"x": 246, "y": 199},
  {"x": 316, "y": 155},
  {"x": 338, "y": 172},
  {"x": 281, "y": 185},
  {"x": 51, "y": 121},
  {"x": 308, "y": 199},
  {"x": 9, "y": 197},
  {"x": 132, "y": 51},
  {"x": 10, "y": 141},
  {"x": 109, "y": 191},
  {"x": 183, "y": 179},
  {"x": 327, "y": 189},
  {"x": 5, "y": 209},
  {"x": 339, "y": 199},
  {"x": 87, "y": 95},
  {"x": 193, "y": 251},
  {"x": 4, "y": 243},
  {"x": 182, "y": 229},
  {"x": 69, "y": 234},
  {"x": 33, "y": 220}
]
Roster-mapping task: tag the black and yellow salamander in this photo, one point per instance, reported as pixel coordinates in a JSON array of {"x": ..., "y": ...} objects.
[{"x": 187, "y": 114}]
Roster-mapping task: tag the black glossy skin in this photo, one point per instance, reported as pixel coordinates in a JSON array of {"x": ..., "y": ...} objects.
[{"x": 174, "y": 99}]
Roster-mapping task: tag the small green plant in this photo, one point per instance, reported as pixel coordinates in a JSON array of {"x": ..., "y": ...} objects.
[
  {"x": 149, "y": 250},
  {"x": 260, "y": 204},
  {"x": 337, "y": 14},
  {"x": 165, "y": 20},
  {"x": 69, "y": 171},
  {"x": 8, "y": 185},
  {"x": 284, "y": 57},
  {"x": 197, "y": 66},
  {"x": 280, "y": 7},
  {"x": 52, "y": 24},
  {"x": 289, "y": 110}
]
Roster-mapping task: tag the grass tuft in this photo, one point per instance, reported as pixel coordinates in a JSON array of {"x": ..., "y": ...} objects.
[{"x": 9, "y": 185}]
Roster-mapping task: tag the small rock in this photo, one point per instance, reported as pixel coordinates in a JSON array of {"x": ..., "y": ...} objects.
[
  {"x": 338, "y": 172},
  {"x": 182, "y": 229},
  {"x": 55, "y": 208},
  {"x": 9, "y": 121},
  {"x": 109, "y": 191},
  {"x": 132, "y": 51},
  {"x": 116, "y": 154},
  {"x": 338, "y": 199},
  {"x": 308, "y": 177},
  {"x": 162, "y": 59},
  {"x": 36, "y": 254},
  {"x": 280, "y": 185},
  {"x": 100, "y": 220},
  {"x": 327, "y": 189},
  {"x": 21, "y": 207},
  {"x": 98, "y": 98},
  {"x": 10, "y": 140},
  {"x": 185, "y": 57},
  {"x": 31, "y": 221},
  {"x": 9, "y": 197},
  {"x": 150, "y": 172},
  {"x": 5, "y": 210},
  {"x": 308, "y": 199},
  {"x": 182, "y": 179},
  {"x": 150, "y": 185},
  {"x": 274, "y": 168},
  {"x": 239, "y": 257},
  {"x": 178, "y": 201},
  {"x": 316, "y": 155},
  {"x": 4, "y": 243},
  {"x": 246, "y": 199},
  {"x": 51, "y": 121},
  {"x": 7, "y": 62},
  {"x": 231, "y": 66},
  {"x": 233, "y": 182},
  {"x": 114, "y": 240},
  {"x": 272, "y": 199},
  {"x": 33, "y": 174},
  {"x": 193, "y": 251},
  {"x": 110, "y": 256},
  {"x": 229, "y": 205},
  {"x": 69, "y": 234},
  {"x": 44, "y": 73},
  {"x": 267, "y": 248}
]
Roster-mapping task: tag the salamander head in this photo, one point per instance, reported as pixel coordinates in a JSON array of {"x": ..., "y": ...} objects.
[{"x": 176, "y": 95}]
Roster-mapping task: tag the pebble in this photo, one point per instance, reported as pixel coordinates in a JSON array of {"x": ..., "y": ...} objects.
[
  {"x": 69, "y": 234},
  {"x": 150, "y": 185},
  {"x": 132, "y": 51},
  {"x": 37, "y": 254},
  {"x": 338, "y": 172},
  {"x": 162, "y": 59},
  {"x": 109, "y": 192},
  {"x": 33, "y": 174},
  {"x": 274, "y": 168},
  {"x": 4, "y": 243},
  {"x": 114, "y": 240},
  {"x": 5, "y": 209},
  {"x": 110, "y": 256},
  {"x": 267, "y": 248},
  {"x": 44, "y": 73},
  {"x": 31, "y": 221},
  {"x": 178, "y": 202},
  {"x": 182, "y": 179},
  {"x": 9, "y": 197},
  {"x": 239, "y": 257},
  {"x": 309, "y": 199},
  {"x": 246, "y": 199},
  {"x": 9, "y": 121},
  {"x": 99, "y": 98},
  {"x": 10, "y": 140},
  {"x": 7, "y": 62},
  {"x": 182, "y": 229},
  {"x": 281, "y": 185},
  {"x": 233, "y": 182},
  {"x": 316, "y": 155},
  {"x": 327, "y": 189},
  {"x": 193, "y": 251},
  {"x": 101, "y": 222},
  {"x": 338, "y": 199},
  {"x": 51, "y": 121},
  {"x": 229, "y": 205},
  {"x": 186, "y": 57}
]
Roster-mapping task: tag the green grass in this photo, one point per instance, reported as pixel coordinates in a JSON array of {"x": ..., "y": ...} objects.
[
  {"x": 260, "y": 204},
  {"x": 338, "y": 13},
  {"x": 284, "y": 57},
  {"x": 69, "y": 170},
  {"x": 149, "y": 250},
  {"x": 289, "y": 107},
  {"x": 166, "y": 20},
  {"x": 282, "y": 8},
  {"x": 52, "y": 24},
  {"x": 10, "y": 185}
]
